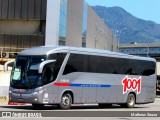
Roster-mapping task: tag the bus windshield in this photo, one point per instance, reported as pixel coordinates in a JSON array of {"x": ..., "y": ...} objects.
[{"x": 25, "y": 74}]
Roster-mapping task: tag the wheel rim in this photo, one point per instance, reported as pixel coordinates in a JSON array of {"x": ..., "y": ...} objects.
[
  {"x": 131, "y": 101},
  {"x": 65, "y": 101}
]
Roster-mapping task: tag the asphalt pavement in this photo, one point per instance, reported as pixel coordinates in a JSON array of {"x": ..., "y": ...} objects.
[{"x": 88, "y": 112}]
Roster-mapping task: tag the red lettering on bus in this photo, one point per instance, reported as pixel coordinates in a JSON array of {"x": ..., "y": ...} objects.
[{"x": 131, "y": 84}]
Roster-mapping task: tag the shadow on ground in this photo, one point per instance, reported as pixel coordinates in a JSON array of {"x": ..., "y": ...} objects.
[{"x": 74, "y": 107}]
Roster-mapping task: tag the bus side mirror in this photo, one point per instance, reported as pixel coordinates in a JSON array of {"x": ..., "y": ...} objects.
[
  {"x": 41, "y": 66},
  {"x": 6, "y": 65}
]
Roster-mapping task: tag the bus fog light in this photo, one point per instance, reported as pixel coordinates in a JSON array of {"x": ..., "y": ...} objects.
[
  {"x": 45, "y": 101},
  {"x": 10, "y": 91},
  {"x": 35, "y": 99},
  {"x": 46, "y": 95}
]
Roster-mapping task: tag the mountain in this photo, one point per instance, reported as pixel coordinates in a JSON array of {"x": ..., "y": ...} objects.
[{"x": 127, "y": 27}]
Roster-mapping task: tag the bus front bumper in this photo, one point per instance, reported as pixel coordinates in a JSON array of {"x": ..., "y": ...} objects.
[{"x": 26, "y": 98}]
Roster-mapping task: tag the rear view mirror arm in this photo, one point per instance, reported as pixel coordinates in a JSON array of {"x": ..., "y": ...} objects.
[
  {"x": 6, "y": 65},
  {"x": 41, "y": 66}
]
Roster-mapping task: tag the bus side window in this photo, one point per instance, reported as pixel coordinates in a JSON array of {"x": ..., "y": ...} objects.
[
  {"x": 76, "y": 63},
  {"x": 48, "y": 74}
]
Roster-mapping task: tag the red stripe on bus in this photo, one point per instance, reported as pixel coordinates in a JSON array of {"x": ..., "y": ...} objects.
[{"x": 62, "y": 84}]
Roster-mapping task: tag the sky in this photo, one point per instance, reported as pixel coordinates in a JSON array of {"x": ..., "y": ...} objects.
[{"x": 144, "y": 9}]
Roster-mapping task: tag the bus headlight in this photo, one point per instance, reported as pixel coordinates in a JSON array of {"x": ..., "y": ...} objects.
[
  {"x": 41, "y": 91},
  {"x": 37, "y": 92}
]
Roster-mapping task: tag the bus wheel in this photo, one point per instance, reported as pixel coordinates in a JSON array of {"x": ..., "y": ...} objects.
[
  {"x": 66, "y": 101},
  {"x": 130, "y": 101},
  {"x": 38, "y": 106}
]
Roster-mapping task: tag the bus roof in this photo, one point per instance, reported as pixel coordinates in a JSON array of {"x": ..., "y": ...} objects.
[{"x": 46, "y": 50}]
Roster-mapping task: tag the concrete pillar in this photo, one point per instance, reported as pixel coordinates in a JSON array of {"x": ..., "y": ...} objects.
[{"x": 52, "y": 22}]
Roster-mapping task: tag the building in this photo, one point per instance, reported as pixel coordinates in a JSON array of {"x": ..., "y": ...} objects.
[
  {"x": 30, "y": 23},
  {"x": 150, "y": 50}
]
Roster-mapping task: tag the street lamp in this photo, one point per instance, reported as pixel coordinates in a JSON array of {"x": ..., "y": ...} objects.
[
  {"x": 117, "y": 34},
  {"x": 96, "y": 41},
  {"x": 148, "y": 42}
]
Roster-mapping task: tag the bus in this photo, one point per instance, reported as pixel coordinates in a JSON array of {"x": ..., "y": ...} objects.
[
  {"x": 158, "y": 76},
  {"x": 62, "y": 76}
]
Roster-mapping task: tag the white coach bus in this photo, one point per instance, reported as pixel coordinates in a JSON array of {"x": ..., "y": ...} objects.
[{"x": 63, "y": 76}]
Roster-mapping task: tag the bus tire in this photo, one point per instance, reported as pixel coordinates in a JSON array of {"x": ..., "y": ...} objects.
[
  {"x": 130, "y": 101},
  {"x": 38, "y": 106},
  {"x": 66, "y": 101}
]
